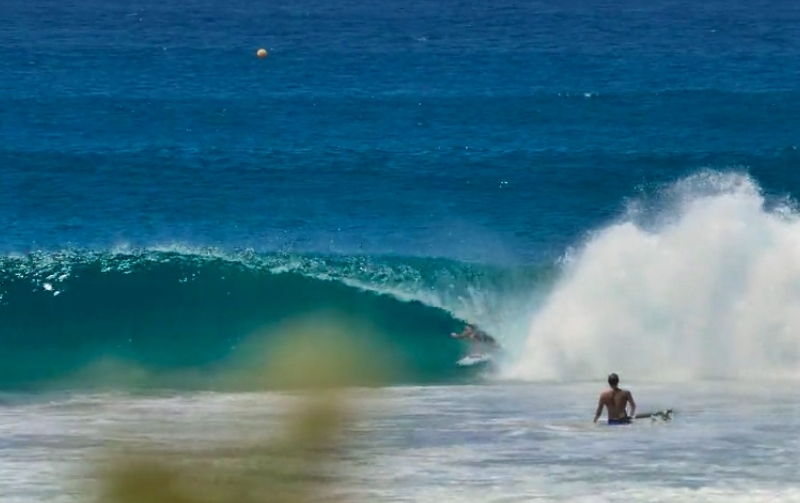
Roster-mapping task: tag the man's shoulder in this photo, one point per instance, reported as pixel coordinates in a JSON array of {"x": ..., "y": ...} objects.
[{"x": 607, "y": 393}]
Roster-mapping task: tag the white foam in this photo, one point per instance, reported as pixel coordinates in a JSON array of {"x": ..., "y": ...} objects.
[{"x": 712, "y": 292}]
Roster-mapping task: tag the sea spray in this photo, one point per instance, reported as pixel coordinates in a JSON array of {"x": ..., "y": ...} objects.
[{"x": 707, "y": 288}]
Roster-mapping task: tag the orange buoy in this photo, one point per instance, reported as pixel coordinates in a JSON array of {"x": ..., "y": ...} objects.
[{"x": 261, "y": 53}]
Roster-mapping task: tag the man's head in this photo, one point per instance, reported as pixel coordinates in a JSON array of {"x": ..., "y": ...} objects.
[{"x": 613, "y": 380}]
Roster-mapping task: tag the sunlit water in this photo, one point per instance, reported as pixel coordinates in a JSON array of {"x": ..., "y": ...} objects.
[{"x": 726, "y": 442}]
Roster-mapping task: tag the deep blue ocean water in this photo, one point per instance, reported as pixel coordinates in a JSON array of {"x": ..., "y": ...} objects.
[{"x": 166, "y": 193}]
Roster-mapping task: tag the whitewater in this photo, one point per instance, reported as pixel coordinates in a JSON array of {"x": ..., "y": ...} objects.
[{"x": 703, "y": 283}]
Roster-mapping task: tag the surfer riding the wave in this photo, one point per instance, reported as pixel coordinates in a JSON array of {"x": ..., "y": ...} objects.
[{"x": 482, "y": 343}]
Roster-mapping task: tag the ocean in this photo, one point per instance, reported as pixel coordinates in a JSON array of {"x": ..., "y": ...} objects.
[{"x": 602, "y": 186}]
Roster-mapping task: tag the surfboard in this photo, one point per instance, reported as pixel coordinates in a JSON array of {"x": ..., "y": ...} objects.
[
  {"x": 664, "y": 415},
  {"x": 474, "y": 359}
]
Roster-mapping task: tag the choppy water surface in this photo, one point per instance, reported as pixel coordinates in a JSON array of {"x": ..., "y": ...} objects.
[{"x": 458, "y": 443}]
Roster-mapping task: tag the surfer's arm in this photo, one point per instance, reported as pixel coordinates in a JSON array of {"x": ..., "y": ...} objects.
[
  {"x": 599, "y": 409},
  {"x": 632, "y": 402}
]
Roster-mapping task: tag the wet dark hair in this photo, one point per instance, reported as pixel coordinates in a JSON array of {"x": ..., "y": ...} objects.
[{"x": 613, "y": 379}]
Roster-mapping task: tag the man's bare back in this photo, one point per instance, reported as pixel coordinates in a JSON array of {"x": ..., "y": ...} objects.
[{"x": 615, "y": 400}]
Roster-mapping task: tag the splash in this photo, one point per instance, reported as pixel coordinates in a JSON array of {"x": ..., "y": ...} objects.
[{"x": 707, "y": 286}]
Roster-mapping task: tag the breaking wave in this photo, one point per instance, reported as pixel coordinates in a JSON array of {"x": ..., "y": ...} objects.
[{"x": 177, "y": 311}]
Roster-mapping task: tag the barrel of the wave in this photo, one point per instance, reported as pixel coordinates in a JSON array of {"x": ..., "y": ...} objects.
[{"x": 261, "y": 53}]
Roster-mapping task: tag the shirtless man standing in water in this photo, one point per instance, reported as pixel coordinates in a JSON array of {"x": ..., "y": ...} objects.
[{"x": 615, "y": 400}]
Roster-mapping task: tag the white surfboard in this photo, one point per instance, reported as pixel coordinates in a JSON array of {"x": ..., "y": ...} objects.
[{"x": 474, "y": 359}]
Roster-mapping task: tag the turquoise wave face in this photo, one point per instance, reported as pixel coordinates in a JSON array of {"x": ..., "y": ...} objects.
[{"x": 177, "y": 318}]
